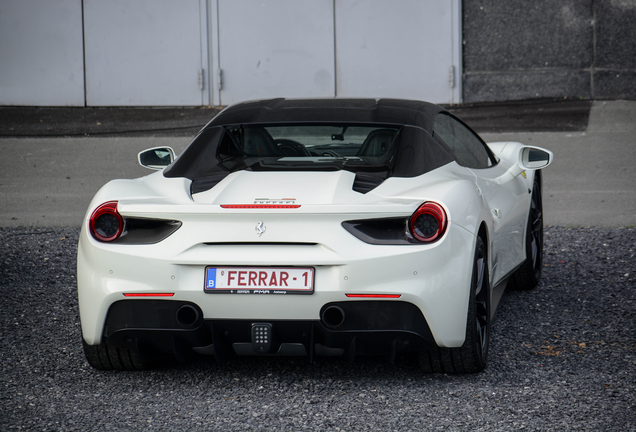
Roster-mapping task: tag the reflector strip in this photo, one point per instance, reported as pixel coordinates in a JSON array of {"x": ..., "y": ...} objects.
[
  {"x": 148, "y": 294},
  {"x": 259, "y": 206},
  {"x": 374, "y": 295}
]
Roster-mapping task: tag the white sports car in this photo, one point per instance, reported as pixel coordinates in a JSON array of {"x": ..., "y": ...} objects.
[{"x": 312, "y": 228}]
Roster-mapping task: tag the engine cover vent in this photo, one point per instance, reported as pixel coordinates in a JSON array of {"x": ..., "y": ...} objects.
[{"x": 366, "y": 182}]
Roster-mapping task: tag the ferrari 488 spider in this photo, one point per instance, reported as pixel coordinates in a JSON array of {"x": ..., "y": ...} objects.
[{"x": 313, "y": 228}]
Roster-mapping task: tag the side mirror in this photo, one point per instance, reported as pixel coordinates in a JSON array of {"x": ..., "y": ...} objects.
[
  {"x": 156, "y": 158},
  {"x": 521, "y": 158},
  {"x": 530, "y": 158},
  {"x": 534, "y": 158}
]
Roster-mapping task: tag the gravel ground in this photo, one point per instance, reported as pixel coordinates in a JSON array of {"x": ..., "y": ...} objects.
[{"x": 563, "y": 357}]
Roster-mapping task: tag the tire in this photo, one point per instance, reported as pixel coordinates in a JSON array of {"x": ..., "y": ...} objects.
[
  {"x": 472, "y": 356},
  {"x": 528, "y": 275},
  {"x": 103, "y": 357}
]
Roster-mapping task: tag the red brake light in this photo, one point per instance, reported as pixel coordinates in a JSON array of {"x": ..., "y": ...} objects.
[
  {"x": 428, "y": 223},
  {"x": 106, "y": 224},
  {"x": 260, "y": 206}
]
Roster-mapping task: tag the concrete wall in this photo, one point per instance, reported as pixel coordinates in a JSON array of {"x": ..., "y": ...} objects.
[{"x": 575, "y": 49}]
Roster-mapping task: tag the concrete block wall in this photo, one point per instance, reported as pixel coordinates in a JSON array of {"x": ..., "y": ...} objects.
[{"x": 574, "y": 49}]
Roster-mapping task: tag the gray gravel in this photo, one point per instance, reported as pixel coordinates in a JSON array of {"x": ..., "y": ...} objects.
[{"x": 563, "y": 357}]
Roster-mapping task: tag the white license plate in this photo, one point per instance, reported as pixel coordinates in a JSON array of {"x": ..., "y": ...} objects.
[{"x": 259, "y": 280}]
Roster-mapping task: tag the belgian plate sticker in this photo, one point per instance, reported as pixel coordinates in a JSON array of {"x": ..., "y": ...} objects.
[{"x": 259, "y": 280}]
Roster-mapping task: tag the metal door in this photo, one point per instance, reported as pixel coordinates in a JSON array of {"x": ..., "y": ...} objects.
[
  {"x": 41, "y": 54},
  {"x": 146, "y": 52},
  {"x": 282, "y": 48},
  {"x": 408, "y": 49}
]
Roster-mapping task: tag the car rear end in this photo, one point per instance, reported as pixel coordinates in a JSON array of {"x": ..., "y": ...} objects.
[
  {"x": 283, "y": 239},
  {"x": 223, "y": 283}
]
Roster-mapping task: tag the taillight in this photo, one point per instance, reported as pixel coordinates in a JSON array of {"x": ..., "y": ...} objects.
[
  {"x": 428, "y": 223},
  {"x": 106, "y": 224}
]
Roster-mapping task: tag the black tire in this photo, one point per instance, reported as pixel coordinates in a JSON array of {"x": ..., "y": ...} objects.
[
  {"x": 103, "y": 357},
  {"x": 528, "y": 275},
  {"x": 472, "y": 356}
]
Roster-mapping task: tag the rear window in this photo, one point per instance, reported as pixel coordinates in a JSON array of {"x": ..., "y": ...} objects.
[{"x": 310, "y": 145}]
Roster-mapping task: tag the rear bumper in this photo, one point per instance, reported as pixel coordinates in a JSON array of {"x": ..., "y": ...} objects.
[
  {"x": 152, "y": 327},
  {"x": 435, "y": 278}
]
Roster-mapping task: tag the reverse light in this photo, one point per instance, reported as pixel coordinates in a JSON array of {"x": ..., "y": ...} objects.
[
  {"x": 428, "y": 223},
  {"x": 106, "y": 224}
]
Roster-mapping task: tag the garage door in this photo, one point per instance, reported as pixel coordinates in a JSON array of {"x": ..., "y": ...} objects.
[
  {"x": 407, "y": 49},
  {"x": 41, "y": 53},
  {"x": 145, "y": 52},
  {"x": 282, "y": 48},
  {"x": 343, "y": 48}
]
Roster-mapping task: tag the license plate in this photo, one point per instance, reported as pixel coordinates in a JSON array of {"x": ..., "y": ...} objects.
[{"x": 259, "y": 280}]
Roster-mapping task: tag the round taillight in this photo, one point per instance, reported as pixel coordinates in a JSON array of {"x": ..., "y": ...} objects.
[
  {"x": 106, "y": 223},
  {"x": 428, "y": 223}
]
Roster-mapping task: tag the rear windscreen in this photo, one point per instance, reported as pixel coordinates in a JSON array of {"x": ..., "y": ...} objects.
[{"x": 307, "y": 146}]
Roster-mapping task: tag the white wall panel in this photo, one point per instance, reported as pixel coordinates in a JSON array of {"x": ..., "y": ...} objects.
[
  {"x": 400, "y": 49},
  {"x": 41, "y": 53},
  {"x": 282, "y": 48},
  {"x": 156, "y": 52},
  {"x": 144, "y": 52}
]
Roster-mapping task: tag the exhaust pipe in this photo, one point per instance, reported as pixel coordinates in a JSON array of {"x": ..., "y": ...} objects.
[
  {"x": 187, "y": 315},
  {"x": 333, "y": 316}
]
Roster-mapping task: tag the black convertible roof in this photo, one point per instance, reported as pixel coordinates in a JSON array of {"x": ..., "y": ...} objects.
[
  {"x": 417, "y": 151},
  {"x": 389, "y": 111}
]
